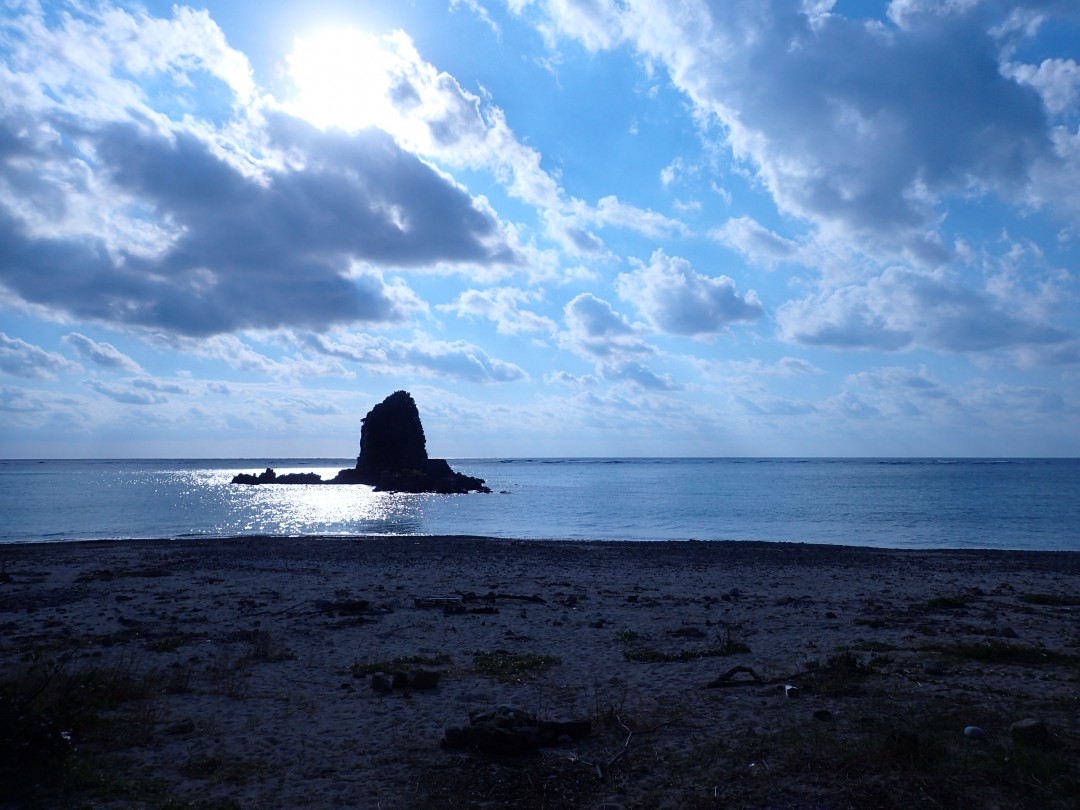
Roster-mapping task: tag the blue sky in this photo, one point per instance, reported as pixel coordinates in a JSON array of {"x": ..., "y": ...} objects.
[{"x": 568, "y": 227}]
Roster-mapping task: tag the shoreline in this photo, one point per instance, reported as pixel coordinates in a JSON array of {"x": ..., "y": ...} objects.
[
  {"x": 256, "y": 657},
  {"x": 442, "y": 539}
]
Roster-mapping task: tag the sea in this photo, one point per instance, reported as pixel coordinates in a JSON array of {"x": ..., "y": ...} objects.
[{"x": 922, "y": 503}]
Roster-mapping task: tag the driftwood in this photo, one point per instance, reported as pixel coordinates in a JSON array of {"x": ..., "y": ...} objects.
[
  {"x": 726, "y": 678},
  {"x": 491, "y": 596},
  {"x": 508, "y": 730},
  {"x": 436, "y": 601},
  {"x": 456, "y": 604}
]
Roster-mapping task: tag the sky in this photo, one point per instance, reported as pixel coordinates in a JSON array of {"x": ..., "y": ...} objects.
[{"x": 567, "y": 227}]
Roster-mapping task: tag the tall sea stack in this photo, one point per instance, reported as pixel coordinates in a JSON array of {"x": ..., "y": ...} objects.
[
  {"x": 393, "y": 454},
  {"x": 393, "y": 457},
  {"x": 392, "y": 438}
]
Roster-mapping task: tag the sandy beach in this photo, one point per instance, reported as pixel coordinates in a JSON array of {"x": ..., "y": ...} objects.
[{"x": 325, "y": 672}]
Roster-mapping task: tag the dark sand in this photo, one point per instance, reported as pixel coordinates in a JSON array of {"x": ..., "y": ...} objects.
[{"x": 234, "y": 673}]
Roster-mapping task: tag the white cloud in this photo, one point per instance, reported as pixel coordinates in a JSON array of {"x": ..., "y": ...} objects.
[
  {"x": 914, "y": 383},
  {"x": 1056, "y": 80},
  {"x": 680, "y": 301},
  {"x": 903, "y": 308},
  {"x": 241, "y": 355},
  {"x": 613, "y": 343},
  {"x": 637, "y": 373},
  {"x": 159, "y": 386},
  {"x": 456, "y": 360},
  {"x": 784, "y": 367},
  {"x": 111, "y": 210},
  {"x": 595, "y": 329},
  {"x": 502, "y": 306},
  {"x": 385, "y": 82},
  {"x": 126, "y": 394},
  {"x": 866, "y": 129},
  {"x": 609, "y": 211},
  {"x": 101, "y": 354},
  {"x": 756, "y": 242},
  {"x": 22, "y": 359},
  {"x": 574, "y": 381}
]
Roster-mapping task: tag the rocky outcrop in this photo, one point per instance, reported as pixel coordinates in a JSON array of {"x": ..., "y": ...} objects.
[
  {"x": 393, "y": 457},
  {"x": 268, "y": 476},
  {"x": 393, "y": 454}
]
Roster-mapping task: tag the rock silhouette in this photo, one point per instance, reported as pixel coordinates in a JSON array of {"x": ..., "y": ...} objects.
[
  {"x": 268, "y": 476},
  {"x": 393, "y": 457}
]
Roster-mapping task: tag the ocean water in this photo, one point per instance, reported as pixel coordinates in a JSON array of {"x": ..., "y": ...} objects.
[{"x": 895, "y": 503}]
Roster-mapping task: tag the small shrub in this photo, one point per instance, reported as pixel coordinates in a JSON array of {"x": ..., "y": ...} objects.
[
  {"x": 651, "y": 655},
  {"x": 1002, "y": 652},
  {"x": 503, "y": 664},
  {"x": 401, "y": 662}
]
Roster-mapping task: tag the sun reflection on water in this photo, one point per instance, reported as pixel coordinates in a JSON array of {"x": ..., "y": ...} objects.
[{"x": 306, "y": 509}]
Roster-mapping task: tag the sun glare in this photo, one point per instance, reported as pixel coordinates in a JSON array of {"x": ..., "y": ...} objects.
[{"x": 341, "y": 79}]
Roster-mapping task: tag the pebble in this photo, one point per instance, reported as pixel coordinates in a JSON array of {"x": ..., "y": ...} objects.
[{"x": 974, "y": 733}]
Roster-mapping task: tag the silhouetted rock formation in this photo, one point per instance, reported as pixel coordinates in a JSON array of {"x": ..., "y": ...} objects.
[
  {"x": 268, "y": 476},
  {"x": 393, "y": 457},
  {"x": 393, "y": 454}
]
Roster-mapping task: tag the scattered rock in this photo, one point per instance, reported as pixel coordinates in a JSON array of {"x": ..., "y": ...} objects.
[
  {"x": 268, "y": 476},
  {"x": 934, "y": 668},
  {"x": 974, "y": 733},
  {"x": 425, "y": 679},
  {"x": 417, "y": 680},
  {"x": 381, "y": 682},
  {"x": 1029, "y": 731},
  {"x": 822, "y": 714},
  {"x": 507, "y": 730}
]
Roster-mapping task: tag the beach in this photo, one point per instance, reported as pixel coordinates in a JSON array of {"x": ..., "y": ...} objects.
[{"x": 325, "y": 672}]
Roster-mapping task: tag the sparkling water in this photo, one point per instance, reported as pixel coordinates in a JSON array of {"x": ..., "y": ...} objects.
[{"x": 898, "y": 503}]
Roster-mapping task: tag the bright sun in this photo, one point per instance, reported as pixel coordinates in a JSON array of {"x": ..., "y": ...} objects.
[{"x": 341, "y": 79}]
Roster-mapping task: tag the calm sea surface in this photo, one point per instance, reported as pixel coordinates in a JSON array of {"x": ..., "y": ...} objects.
[{"x": 899, "y": 503}]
